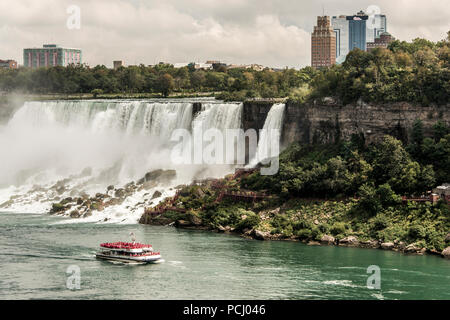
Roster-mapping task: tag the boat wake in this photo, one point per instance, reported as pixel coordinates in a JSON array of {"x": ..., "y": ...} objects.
[{"x": 42, "y": 256}]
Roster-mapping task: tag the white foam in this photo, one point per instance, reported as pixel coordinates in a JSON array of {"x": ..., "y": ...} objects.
[{"x": 49, "y": 142}]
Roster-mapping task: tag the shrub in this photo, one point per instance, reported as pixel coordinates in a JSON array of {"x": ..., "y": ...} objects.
[
  {"x": 315, "y": 233},
  {"x": 250, "y": 222},
  {"x": 338, "y": 228},
  {"x": 303, "y": 234},
  {"x": 173, "y": 215},
  {"x": 280, "y": 221},
  {"x": 287, "y": 232},
  {"x": 380, "y": 222},
  {"x": 324, "y": 228},
  {"x": 96, "y": 92},
  {"x": 301, "y": 224},
  {"x": 416, "y": 231}
]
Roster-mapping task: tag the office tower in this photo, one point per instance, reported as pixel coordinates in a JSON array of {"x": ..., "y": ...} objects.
[{"x": 323, "y": 43}]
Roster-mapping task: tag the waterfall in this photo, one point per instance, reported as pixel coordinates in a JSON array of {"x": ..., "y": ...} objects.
[
  {"x": 153, "y": 118},
  {"x": 115, "y": 141},
  {"x": 271, "y": 130},
  {"x": 219, "y": 116},
  {"x": 69, "y": 136}
]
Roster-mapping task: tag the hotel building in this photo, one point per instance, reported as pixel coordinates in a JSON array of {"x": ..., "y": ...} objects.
[{"x": 51, "y": 55}]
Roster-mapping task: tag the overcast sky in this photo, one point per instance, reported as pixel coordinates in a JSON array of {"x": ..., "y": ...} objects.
[{"x": 270, "y": 32}]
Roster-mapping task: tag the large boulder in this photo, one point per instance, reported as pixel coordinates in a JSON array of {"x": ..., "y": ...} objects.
[
  {"x": 260, "y": 235},
  {"x": 156, "y": 194},
  {"x": 447, "y": 238},
  {"x": 113, "y": 202},
  {"x": 58, "y": 208},
  {"x": 446, "y": 253},
  {"x": 349, "y": 241},
  {"x": 387, "y": 245},
  {"x": 147, "y": 185},
  {"x": 98, "y": 206},
  {"x": 195, "y": 220},
  {"x": 374, "y": 244},
  {"x": 161, "y": 176},
  {"x": 226, "y": 229},
  {"x": 130, "y": 186},
  {"x": 414, "y": 249},
  {"x": 74, "y": 214},
  {"x": 327, "y": 239},
  {"x": 120, "y": 193},
  {"x": 88, "y": 213},
  {"x": 401, "y": 246},
  {"x": 182, "y": 223}
]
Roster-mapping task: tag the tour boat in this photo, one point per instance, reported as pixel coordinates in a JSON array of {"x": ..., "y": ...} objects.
[{"x": 128, "y": 252}]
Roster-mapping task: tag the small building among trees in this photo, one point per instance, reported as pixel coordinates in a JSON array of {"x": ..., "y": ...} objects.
[{"x": 443, "y": 192}]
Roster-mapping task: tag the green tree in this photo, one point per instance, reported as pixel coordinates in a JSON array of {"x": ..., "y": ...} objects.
[{"x": 165, "y": 84}]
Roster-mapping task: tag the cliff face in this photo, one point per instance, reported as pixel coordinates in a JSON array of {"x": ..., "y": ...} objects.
[
  {"x": 255, "y": 114},
  {"x": 329, "y": 122}
]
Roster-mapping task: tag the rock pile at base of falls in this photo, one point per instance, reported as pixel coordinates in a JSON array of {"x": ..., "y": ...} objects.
[{"x": 83, "y": 206}]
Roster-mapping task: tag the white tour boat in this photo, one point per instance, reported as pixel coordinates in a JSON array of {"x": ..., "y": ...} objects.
[{"x": 128, "y": 252}]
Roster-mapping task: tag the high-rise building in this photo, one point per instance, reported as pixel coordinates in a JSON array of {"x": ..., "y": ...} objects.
[
  {"x": 323, "y": 43},
  {"x": 357, "y": 31},
  {"x": 341, "y": 29},
  {"x": 376, "y": 25},
  {"x": 51, "y": 55}
]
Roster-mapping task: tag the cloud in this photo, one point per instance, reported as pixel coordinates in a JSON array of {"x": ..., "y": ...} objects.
[{"x": 271, "y": 32}]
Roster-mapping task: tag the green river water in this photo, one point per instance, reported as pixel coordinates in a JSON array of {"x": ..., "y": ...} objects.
[{"x": 36, "y": 250}]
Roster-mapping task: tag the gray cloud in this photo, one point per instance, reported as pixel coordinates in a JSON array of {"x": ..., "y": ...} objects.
[{"x": 273, "y": 33}]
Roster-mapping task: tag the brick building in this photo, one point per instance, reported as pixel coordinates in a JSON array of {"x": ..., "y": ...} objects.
[
  {"x": 381, "y": 42},
  {"x": 323, "y": 44}
]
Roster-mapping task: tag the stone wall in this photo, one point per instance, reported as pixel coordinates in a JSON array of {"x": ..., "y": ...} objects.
[
  {"x": 328, "y": 122},
  {"x": 255, "y": 114}
]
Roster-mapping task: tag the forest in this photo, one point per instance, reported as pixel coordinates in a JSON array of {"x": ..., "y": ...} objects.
[{"x": 416, "y": 71}]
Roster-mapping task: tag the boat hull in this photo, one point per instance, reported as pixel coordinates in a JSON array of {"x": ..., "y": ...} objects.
[{"x": 134, "y": 260}]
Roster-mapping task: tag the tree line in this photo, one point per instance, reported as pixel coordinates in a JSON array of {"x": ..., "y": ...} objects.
[{"x": 416, "y": 71}]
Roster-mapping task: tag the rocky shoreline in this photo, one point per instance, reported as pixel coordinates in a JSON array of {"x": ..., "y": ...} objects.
[
  {"x": 326, "y": 240},
  {"x": 222, "y": 205}
]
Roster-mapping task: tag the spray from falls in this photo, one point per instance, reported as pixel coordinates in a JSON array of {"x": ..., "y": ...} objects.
[{"x": 85, "y": 146}]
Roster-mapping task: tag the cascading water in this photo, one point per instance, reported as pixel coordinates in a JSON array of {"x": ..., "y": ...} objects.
[
  {"x": 89, "y": 145},
  {"x": 271, "y": 130},
  {"x": 219, "y": 116}
]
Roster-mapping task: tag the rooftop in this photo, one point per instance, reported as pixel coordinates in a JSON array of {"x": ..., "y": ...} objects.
[{"x": 52, "y": 46}]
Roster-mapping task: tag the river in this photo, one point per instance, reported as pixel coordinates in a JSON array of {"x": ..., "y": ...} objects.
[{"x": 36, "y": 250}]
